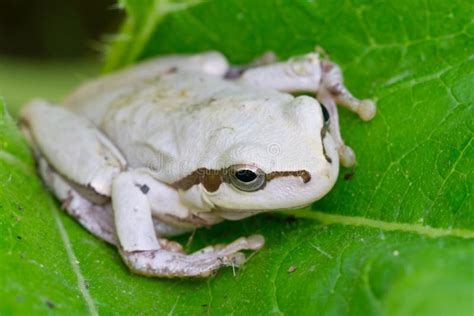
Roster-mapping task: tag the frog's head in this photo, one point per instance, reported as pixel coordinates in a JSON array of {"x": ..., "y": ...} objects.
[{"x": 272, "y": 159}]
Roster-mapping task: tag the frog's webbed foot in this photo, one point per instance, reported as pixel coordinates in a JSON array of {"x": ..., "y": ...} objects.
[
  {"x": 308, "y": 73},
  {"x": 165, "y": 263}
]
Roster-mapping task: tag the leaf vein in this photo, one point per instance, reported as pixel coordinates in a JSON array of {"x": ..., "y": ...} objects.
[
  {"x": 425, "y": 230},
  {"x": 74, "y": 263},
  {"x": 13, "y": 160}
]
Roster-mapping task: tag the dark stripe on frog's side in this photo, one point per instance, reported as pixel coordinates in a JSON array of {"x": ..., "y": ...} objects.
[
  {"x": 324, "y": 130},
  {"x": 211, "y": 179}
]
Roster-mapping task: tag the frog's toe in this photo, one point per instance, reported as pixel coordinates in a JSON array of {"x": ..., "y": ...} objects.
[
  {"x": 253, "y": 242},
  {"x": 367, "y": 110},
  {"x": 170, "y": 245},
  {"x": 347, "y": 156}
]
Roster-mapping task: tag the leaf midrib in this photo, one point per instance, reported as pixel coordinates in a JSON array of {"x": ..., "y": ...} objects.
[{"x": 424, "y": 230}]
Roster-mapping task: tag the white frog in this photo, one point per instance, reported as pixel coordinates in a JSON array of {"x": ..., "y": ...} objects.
[{"x": 181, "y": 142}]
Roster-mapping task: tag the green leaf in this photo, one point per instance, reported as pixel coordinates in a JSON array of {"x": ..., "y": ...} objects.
[
  {"x": 395, "y": 238},
  {"x": 23, "y": 79},
  {"x": 142, "y": 20}
]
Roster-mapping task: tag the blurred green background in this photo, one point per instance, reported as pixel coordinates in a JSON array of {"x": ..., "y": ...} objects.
[{"x": 47, "y": 47}]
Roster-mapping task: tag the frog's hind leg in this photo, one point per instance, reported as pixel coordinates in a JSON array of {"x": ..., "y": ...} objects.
[
  {"x": 96, "y": 218},
  {"x": 76, "y": 161},
  {"x": 95, "y": 212},
  {"x": 202, "y": 263},
  {"x": 72, "y": 145}
]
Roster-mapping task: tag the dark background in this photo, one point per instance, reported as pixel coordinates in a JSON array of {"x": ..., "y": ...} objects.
[
  {"x": 49, "y": 47},
  {"x": 56, "y": 28}
]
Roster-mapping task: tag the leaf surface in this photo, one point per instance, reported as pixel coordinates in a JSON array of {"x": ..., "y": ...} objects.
[{"x": 395, "y": 238}]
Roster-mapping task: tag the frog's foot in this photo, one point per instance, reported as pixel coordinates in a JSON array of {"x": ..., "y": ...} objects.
[
  {"x": 331, "y": 91},
  {"x": 164, "y": 263},
  {"x": 308, "y": 73},
  {"x": 346, "y": 154},
  {"x": 332, "y": 82}
]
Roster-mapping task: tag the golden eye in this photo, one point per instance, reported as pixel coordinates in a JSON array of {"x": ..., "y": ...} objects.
[{"x": 247, "y": 178}]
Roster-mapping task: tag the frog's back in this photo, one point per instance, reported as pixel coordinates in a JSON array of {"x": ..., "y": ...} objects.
[{"x": 180, "y": 118}]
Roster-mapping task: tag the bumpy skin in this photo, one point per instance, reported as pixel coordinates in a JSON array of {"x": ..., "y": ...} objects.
[{"x": 145, "y": 153}]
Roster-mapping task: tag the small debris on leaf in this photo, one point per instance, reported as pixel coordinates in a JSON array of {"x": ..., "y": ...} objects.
[
  {"x": 291, "y": 269},
  {"x": 349, "y": 175},
  {"x": 50, "y": 304},
  {"x": 290, "y": 219}
]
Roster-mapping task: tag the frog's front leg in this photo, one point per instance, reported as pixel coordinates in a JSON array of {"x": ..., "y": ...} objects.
[
  {"x": 310, "y": 74},
  {"x": 139, "y": 246}
]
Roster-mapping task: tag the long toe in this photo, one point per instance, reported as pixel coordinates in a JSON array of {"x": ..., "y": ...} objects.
[{"x": 367, "y": 110}]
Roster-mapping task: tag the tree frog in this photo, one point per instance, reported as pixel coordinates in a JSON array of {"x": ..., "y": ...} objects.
[{"x": 186, "y": 141}]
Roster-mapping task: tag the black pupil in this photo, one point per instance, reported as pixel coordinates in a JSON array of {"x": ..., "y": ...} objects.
[
  {"x": 325, "y": 113},
  {"x": 245, "y": 175}
]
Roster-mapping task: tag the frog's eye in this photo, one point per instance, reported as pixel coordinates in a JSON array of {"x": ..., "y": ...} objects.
[{"x": 247, "y": 178}]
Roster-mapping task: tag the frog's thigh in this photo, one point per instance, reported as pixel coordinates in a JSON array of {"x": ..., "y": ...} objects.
[
  {"x": 72, "y": 145},
  {"x": 97, "y": 219}
]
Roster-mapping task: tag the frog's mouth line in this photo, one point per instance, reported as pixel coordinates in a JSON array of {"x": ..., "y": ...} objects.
[{"x": 211, "y": 179}]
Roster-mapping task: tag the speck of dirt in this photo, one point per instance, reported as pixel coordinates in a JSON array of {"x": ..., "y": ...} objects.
[
  {"x": 291, "y": 269},
  {"x": 50, "y": 304},
  {"x": 145, "y": 189},
  {"x": 86, "y": 284},
  {"x": 18, "y": 237},
  {"x": 349, "y": 175},
  {"x": 172, "y": 70}
]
